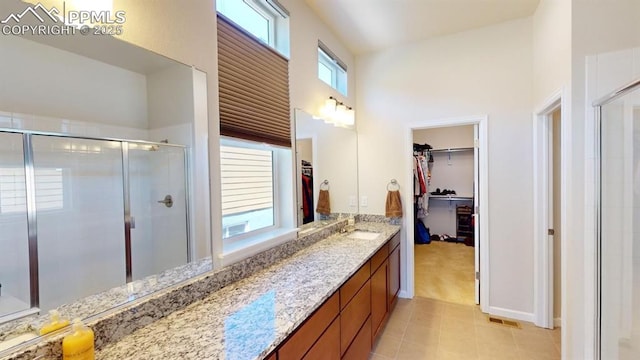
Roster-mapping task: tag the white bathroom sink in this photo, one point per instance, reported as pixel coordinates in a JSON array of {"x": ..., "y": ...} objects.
[{"x": 363, "y": 235}]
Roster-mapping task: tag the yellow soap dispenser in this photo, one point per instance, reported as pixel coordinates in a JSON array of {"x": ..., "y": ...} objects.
[
  {"x": 79, "y": 345},
  {"x": 54, "y": 323}
]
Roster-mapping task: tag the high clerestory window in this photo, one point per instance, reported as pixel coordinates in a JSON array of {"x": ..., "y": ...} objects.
[
  {"x": 267, "y": 20},
  {"x": 331, "y": 69}
]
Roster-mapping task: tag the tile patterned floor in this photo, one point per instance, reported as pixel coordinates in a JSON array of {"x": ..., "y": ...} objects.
[{"x": 423, "y": 328}]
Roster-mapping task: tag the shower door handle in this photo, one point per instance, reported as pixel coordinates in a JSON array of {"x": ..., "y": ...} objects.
[{"x": 167, "y": 201}]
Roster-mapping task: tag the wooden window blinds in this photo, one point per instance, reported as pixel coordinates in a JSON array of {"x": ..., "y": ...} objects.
[{"x": 253, "y": 88}]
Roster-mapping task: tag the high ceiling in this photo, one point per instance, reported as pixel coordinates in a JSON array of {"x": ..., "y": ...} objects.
[{"x": 370, "y": 25}]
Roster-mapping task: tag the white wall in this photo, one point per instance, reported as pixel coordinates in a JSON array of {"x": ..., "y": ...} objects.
[
  {"x": 485, "y": 71},
  {"x": 445, "y": 137},
  {"x": 307, "y": 91},
  {"x": 305, "y": 149},
  {"x": 69, "y": 86},
  {"x": 597, "y": 27},
  {"x": 551, "y": 49},
  {"x": 170, "y": 97}
]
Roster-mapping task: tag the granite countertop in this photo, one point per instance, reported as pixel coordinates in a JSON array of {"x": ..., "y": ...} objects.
[{"x": 248, "y": 319}]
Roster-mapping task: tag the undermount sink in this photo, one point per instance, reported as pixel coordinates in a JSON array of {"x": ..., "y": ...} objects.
[{"x": 363, "y": 235}]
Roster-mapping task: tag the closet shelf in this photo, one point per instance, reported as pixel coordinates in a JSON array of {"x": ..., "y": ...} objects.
[
  {"x": 436, "y": 151},
  {"x": 450, "y": 198}
]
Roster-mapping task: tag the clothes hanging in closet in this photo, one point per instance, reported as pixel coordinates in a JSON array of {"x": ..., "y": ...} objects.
[
  {"x": 307, "y": 199},
  {"x": 422, "y": 178}
]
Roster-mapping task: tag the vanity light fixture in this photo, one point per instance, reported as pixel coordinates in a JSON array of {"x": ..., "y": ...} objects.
[{"x": 337, "y": 113}]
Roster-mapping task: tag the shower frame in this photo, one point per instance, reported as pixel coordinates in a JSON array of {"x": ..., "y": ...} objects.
[
  {"x": 598, "y": 105},
  {"x": 30, "y": 186}
]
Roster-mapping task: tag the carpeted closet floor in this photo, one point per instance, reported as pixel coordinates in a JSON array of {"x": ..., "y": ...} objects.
[{"x": 445, "y": 271}]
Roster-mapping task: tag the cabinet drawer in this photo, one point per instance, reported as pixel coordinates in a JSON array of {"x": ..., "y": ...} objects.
[
  {"x": 379, "y": 257},
  {"x": 273, "y": 356},
  {"x": 394, "y": 242},
  {"x": 361, "y": 346},
  {"x": 351, "y": 287},
  {"x": 379, "y": 294},
  {"x": 328, "y": 346},
  {"x": 303, "y": 339},
  {"x": 354, "y": 315}
]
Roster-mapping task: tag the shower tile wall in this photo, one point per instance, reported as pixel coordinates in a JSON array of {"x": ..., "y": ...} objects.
[
  {"x": 159, "y": 240},
  {"x": 14, "y": 257},
  {"x": 80, "y": 239},
  {"x": 93, "y": 214},
  {"x": 66, "y": 126}
]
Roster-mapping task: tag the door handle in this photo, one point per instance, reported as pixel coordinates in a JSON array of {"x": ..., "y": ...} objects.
[{"x": 167, "y": 201}]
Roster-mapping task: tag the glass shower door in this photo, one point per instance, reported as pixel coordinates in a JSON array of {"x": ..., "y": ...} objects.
[
  {"x": 79, "y": 202},
  {"x": 620, "y": 228},
  {"x": 15, "y": 294},
  {"x": 159, "y": 230}
]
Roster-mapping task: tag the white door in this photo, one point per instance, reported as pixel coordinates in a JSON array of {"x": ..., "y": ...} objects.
[
  {"x": 550, "y": 221},
  {"x": 476, "y": 203}
]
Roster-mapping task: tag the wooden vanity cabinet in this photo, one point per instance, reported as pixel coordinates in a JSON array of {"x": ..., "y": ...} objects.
[
  {"x": 379, "y": 290},
  {"x": 347, "y": 325},
  {"x": 297, "y": 345},
  {"x": 361, "y": 345},
  {"x": 328, "y": 345},
  {"x": 354, "y": 315},
  {"x": 349, "y": 289}
]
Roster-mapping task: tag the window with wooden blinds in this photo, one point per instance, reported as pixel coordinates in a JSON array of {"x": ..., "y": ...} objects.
[{"x": 253, "y": 88}]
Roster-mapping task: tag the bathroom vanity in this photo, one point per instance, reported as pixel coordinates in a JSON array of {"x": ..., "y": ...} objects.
[{"x": 331, "y": 298}]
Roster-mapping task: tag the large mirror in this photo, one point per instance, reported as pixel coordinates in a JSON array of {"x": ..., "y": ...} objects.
[
  {"x": 326, "y": 157},
  {"x": 100, "y": 142}
]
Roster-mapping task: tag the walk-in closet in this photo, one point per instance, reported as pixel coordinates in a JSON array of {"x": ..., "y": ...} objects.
[{"x": 444, "y": 192}]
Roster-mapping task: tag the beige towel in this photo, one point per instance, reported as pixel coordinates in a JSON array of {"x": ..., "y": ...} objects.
[
  {"x": 393, "y": 207},
  {"x": 324, "y": 206}
]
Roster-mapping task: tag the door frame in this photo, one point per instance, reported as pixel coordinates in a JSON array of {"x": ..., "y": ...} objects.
[
  {"x": 542, "y": 196},
  {"x": 482, "y": 121}
]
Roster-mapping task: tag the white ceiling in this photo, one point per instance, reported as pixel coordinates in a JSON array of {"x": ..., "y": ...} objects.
[{"x": 370, "y": 25}]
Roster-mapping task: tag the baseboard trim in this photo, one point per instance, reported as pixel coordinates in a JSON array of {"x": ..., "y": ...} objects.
[
  {"x": 557, "y": 322},
  {"x": 404, "y": 294},
  {"x": 511, "y": 314}
]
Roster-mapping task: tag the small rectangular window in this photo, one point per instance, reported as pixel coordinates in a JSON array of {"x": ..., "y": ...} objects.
[
  {"x": 267, "y": 20},
  {"x": 331, "y": 70},
  {"x": 247, "y": 188}
]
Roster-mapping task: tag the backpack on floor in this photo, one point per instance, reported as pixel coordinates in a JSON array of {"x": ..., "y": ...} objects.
[{"x": 422, "y": 235}]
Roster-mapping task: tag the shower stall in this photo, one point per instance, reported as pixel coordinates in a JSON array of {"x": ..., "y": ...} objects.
[
  {"x": 618, "y": 221},
  {"x": 80, "y": 215}
]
